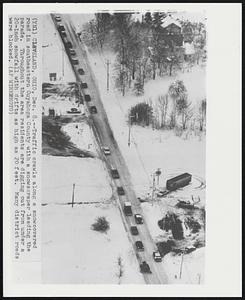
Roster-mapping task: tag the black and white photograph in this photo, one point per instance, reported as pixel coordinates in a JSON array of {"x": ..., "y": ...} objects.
[
  {"x": 122, "y": 149},
  {"x": 123, "y": 143}
]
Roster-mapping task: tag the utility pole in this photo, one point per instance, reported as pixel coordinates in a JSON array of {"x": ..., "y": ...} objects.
[
  {"x": 129, "y": 130},
  {"x": 73, "y": 190},
  {"x": 181, "y": 264},
  {"x": 153, "y": 188},
  {"x": 108, "y": 74},
  {"x": 158, "y": 173}
]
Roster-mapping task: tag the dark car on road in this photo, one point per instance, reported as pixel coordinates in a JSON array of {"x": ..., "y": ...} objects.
[
  {"x": 63, "y": 33},
  {"x": 68, "y": 44},
  {"x": 127, "y": 208},
  {"x": 74, "y": 61},
  {"x": 145, "y": 268},
  {"x": 61, "y": 28},
  {"x": 84, "y": 85},
  {"x": 134, "y": 230},
  {"x": 93, "y": 109},
  {"x": 106, "y": 150},
  {"x": 139, "y": 246},
  {"x": 114, "y": 173},
  {"x": 80, "y": 71},
  {"x": 87, "y": 98},
  {"x": 120, "y": 191},
  {"x": 161, "y": 194},
  {"x": 72, "y": 52},
  {"x": 138, "y": 219},
  {"x": 157, "y": 256},
  {"x": 57, "y": 18}
]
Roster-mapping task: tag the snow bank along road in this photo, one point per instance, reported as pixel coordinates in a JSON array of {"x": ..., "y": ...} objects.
[{"x": 104, "y": 137}]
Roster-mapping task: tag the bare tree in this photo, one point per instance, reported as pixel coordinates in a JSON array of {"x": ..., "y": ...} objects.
[
  {"x": 187, "y": 114},
  {"x": 103, "y": 25},
  {"x": 176, "y": 91},
  {"x": 184, "y": 109},
  {"x": 162, "y": 105},
  {"x": 202, "y": 114},
  {"x": 120, "y": 270},
  {"x": 101, "y": 225}
]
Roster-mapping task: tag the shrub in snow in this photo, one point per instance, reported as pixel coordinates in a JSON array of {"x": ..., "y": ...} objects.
[
  {"x": 199, "y": 243},
  {"x": 120, "y": 272},
  {"x": 165, "y": 247},
  {"x": 101, "y": 224},
  {"x": 177, "y": 229},
  {"x": 173, "y": 223},
  {"x": 178, "y": 93},
  {"x": 53, "y": 135},
  {"x": 138, "y": 87},
  {"x": 141, "y": 114},
  {"x": 193, "y": 224},
  {"x": 203, "y": 216}
]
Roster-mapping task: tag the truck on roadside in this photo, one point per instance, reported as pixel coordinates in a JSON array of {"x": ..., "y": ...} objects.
[
  {"x": 179, "y": 181},
  {"x": 127, "y": 209}
]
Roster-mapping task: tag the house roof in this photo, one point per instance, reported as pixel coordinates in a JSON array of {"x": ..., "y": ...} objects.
[{"x": 170, "y": 20}]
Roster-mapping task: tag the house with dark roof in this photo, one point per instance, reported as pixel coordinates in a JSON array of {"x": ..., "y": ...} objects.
[{"x": 172, "y": 31}]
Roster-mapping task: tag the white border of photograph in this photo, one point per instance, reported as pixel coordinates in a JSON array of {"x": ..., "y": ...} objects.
[{"x": 223, "y": 159}]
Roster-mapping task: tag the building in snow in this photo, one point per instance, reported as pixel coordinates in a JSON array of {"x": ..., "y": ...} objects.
[
  {"x": 172, "y": 31},
  {"x": 60, "y": 106},
  {"x": 171, "y": 25}
]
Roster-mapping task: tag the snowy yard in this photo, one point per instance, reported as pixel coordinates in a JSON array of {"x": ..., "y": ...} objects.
[
  {"x": 81, "y": 135},
  {"x": 71, "y": 251},
  {"x": 192, "y": 267}
]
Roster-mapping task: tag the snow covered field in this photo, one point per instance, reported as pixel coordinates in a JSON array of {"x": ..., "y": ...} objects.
[
  {"x": 71, "y": 251},
  {"x": 81, "y": 135},
  {"x": 192, "y": 267},
  {"x": 88, "y": 174}
]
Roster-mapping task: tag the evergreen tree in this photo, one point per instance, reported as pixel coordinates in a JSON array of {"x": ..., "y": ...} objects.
[
  {"x": 158, "y": 18},
  {"x": 138, "y": 87},
  {"x": 148, "y": 18},
  {"x": 103, "y": 24}
]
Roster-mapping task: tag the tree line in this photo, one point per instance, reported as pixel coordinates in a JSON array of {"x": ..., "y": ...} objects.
[
  {"x": 143, "y": 50},
  {"x": 172, "y": 110}
]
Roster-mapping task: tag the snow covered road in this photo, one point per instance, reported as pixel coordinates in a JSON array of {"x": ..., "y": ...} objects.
[{"x": 102, "y": 127}]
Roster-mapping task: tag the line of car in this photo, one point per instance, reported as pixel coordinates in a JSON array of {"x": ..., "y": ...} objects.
[
  {"x": 144, "y": 267},
  {"x": 75, "y": 61}
]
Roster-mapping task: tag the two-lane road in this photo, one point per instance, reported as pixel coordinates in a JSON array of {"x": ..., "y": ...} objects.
[{"x": 104, "y": 136}]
